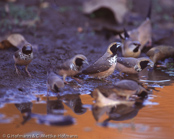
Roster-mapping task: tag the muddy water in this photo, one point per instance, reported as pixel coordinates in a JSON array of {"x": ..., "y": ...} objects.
[{"x": 155, "y": 119}]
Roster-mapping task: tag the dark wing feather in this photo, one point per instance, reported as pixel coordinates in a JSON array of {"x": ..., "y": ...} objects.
[
  {"x": 100, "y": 65},
  {"x": 127, "y": 62},
  {"x": 127, "y": 85}
]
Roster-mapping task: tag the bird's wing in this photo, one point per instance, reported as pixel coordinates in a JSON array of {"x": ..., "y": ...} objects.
[
  {"x": 100, "y": 65},
  {"x": 16, "y": 54},
  {"x": 65, "y": 65},
  {"x": 128, "y": 62},
  {"x": 127, "y": 85}
]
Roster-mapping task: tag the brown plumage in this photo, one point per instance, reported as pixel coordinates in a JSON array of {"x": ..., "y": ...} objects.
[
  {"x": 105, "y": 65},
  {"x": 71, "y": 67},
  {"x": 23, "y": 57},
  {"x": 130, "y": 48},
  {"x": 54, "y": 82},
  {"x": 132, "y": 65},
  {"x": 160, "y": 53},
  {"x": 123, "y": 88}
]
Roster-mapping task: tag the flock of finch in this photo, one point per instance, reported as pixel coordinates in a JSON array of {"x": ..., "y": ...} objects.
[{"x": 131, "y": 46}]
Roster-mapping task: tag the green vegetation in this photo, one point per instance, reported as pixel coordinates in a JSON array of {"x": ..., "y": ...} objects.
[{"x": 13, "y": 14}]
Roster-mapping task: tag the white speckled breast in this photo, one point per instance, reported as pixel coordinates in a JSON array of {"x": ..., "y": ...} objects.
[
  {"x": 113, "y": 60},
  {"x": 137, "y": 68},
  {"x": 73, "y": 67},
  {"x": 25, "y": 57}
]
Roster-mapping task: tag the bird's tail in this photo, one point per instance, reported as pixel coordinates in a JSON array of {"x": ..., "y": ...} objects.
[
  {"x": 149, "y": 10},
  {"x": 126, "y": 35}
]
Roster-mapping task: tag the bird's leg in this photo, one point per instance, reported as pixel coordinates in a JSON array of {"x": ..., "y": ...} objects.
[
  {"x": 77, "y": 79},
  {"x": 64, "y": 77},
  {"x": 48, "y": 92},
  {"x": 121, "y": 74},
  {"x": 127, "y": 97},
  {"x": 27, "y": 71},
  {"x": 17, "y": 71}
]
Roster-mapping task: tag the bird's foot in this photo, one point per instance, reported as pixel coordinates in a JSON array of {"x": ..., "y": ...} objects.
[
  {"x": 78, "y": 80},
  {"x": 65, "y": 82},
  {"x": 29, "y": 74},
  {"x": 121, "y": 75},
  {"x": 161, "y": 66},
  {"x": 27, "y": 71},
  {"x": 18, "y": 72},
  {"x": 104, "y": 79}
]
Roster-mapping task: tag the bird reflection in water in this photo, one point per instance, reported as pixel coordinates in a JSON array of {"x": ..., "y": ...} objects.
[
  {"x": 25, "y": 109},
  {"x": 74, "y": 102},
  {"x": 55, "y": 114},
  {"x": 117, "y": 108},
  {"x": 55, "y": 107}
]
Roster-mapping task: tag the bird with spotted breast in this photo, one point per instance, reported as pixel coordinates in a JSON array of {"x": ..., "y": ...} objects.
[
  {"x": 71, "y": 67},
  {"x": 105, "y": 65},
  {"x": 132, "y": 65},
  {"x": 130, "y": 48},
  {"x": 23, "y": 57}
]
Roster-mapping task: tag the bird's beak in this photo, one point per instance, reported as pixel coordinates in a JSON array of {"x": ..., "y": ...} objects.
[
  {"x": 119, "y": 45},
  {"x": 85, "y": 62},
  {"x": 151, "y": 64}
]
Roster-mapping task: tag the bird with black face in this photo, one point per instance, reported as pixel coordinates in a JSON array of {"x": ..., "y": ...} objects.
[
  {"x": 71, "y": 67},
  {"x": 54, "y": 82},
  {"x": 105, "y": 65},
  {"x": 23, "y": 57},
  {"x": 132, "y": 65},
  {"x": 130, "y": 48}
]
